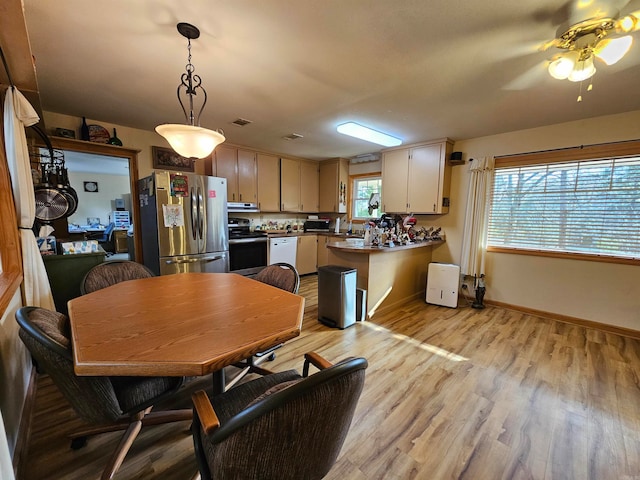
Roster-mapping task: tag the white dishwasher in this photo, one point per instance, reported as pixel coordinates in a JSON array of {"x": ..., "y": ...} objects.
[{"x": 283, "y": 249}]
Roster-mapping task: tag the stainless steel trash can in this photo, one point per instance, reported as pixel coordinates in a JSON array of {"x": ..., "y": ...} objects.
[{"x": 337, "y": 296}]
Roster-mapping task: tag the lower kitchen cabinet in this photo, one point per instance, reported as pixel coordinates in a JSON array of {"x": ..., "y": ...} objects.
[
  {"x": 307, "y": 254},
  {"x": 323, "y": 251}
]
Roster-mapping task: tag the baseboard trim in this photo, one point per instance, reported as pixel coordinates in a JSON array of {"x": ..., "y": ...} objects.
[
  {"x": 24, "y": 429},
  {"x": 625, "y": 332}
]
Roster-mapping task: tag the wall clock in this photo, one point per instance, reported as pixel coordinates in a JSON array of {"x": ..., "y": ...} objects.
[{"x": 90, "y": 186}]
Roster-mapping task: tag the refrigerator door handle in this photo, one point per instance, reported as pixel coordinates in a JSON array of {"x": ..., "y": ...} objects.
[
  {"x": 194, "y": 260},
  {"x": 200, "y": 215},
  {"x": 194, "y": 213}
]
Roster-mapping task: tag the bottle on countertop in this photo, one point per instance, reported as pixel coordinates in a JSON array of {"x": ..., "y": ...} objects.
[
  {"x": 115, "y": 140},
  {"x": 84, "y": 130}
]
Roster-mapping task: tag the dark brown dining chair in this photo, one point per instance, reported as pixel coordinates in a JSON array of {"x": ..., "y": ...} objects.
[
  {"x": 281, "y": 275},
  {"x": 285, "y": 277},
  {"x": 107, "y": 403},
  {"x": 109, "y": 273},
  {"x": 279, "y": 426}
]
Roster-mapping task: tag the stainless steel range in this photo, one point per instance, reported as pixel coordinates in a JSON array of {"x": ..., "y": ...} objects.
[{"x": 247, "y": 249}]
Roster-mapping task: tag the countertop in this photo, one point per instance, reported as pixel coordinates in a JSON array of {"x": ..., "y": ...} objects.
[
  {"x": 357, "y": 247},
  {"x": 283, "y": 233}
]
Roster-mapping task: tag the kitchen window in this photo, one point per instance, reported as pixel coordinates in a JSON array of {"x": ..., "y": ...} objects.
[
  {"x": 363, "y": 188},
  {"x": 576, "y": 203}
]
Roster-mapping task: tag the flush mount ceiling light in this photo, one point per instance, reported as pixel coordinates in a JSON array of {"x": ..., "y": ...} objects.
[
  {"x": 589, "y": 40},
  {"x": 365, "y": 133},
  {"x": 191, "y": 140}
]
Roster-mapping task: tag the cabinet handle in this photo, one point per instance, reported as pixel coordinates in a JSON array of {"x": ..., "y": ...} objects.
[
  {"x": 240, "y": 197},
  {"x": 434, "y": 207},
  {"x": 233, "y": 197}
]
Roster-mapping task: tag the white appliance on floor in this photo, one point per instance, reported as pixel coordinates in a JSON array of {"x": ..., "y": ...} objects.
[
  {"x": 443, "y": 280},
  {"x": 283, "y": 249}
]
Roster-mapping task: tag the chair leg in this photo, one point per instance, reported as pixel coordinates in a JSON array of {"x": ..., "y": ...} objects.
[{"x": 123, "y": 447}]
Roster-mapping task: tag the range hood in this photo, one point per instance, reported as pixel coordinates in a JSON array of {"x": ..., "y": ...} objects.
[{"x": 242, "y": 207}]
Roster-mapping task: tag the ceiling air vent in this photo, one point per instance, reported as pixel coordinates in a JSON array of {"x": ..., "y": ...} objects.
[
  {"x": 241, "y": 122},
  {"x": 293, "y": 136}
]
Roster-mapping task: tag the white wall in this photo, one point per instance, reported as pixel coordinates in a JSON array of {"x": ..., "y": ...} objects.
[
  {"x": 602, "y": 292},
  {"x": 101, "y": 203}
]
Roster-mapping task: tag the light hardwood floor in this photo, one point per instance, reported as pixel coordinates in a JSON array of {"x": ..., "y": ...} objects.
[{"x": 450, "y": 393}]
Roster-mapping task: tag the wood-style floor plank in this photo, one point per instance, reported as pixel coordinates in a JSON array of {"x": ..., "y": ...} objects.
[{"x": 449, "y": 393}]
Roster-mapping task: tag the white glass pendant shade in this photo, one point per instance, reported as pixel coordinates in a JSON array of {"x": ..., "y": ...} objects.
[
  {"x": 611, "y": 50},
  {"x": 583, "y": 70},
  {"x": 563, "y": 66},
  {"x": 190, "y": 141}
]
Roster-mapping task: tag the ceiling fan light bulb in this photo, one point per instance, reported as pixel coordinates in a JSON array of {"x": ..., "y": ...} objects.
[
  {"x": 611, "y": 50},
  {"x": 561, "y": 67},
  {"x": 583, "y": 70},
  {"x": 628, "y": 23}
]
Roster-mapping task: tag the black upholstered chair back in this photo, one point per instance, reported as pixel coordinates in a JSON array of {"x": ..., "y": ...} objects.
[
  {"x": 281, "y": 275},
  {"x": 294, "y": 429},
  {"x": 46, "y": 335},
  {"x": 110, "y": 273}
]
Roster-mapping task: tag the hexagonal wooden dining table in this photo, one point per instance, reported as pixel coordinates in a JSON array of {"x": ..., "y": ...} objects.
[{"x": 187, "y": 324}]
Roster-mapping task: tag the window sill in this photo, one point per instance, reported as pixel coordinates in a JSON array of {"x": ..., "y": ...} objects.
[{"x": 566, "y": 255}]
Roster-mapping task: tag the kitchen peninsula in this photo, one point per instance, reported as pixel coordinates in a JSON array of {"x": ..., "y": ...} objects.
[{"x": 390, "y": 275}]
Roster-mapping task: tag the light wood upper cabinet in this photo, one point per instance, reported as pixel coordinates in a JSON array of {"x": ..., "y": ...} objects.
[
  {"x": 289, "y": 185},
  {"x": 227, "y": 167},
  {"x": 309, "y": 192},
  {"x": 247, "y": 177},
  {"x": 268, "y": 167},
  {"x": 298, "y": 185},
  {"x": 307, "y": 254},
  {"x": 239, "y": 168},
  {"x": 334, "y": 175},
  {"x": 416, "y": 179}
]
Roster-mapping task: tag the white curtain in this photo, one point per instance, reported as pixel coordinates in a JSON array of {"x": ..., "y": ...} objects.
[
  {"x": 475, "y": 224},
  {"x": 18, "y": 114}
]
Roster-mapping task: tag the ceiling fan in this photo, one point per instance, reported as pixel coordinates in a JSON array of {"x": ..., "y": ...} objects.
[{"x": 604, "y": 36}]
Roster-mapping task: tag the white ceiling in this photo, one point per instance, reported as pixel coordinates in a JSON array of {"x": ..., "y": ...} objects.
[{"x": 416, "y": 69}]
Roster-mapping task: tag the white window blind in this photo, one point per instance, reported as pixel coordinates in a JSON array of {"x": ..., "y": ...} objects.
[{"x": 587, "y": 207}]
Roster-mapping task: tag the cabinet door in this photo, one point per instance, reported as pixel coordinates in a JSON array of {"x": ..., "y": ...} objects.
[
  {"x": 323, "y": 251},
  {"x": 307, "y": 254},
  {"x": 395, "y": 171},
  {"x": 247, "y": 181},
  {"x": 227, "y": 167},
  {"x": 424, "y": 179},
  {"x": 309, "y": 181},
  {"x": 268, "y": 182},
  {"x": 329, "y": 187},
  {"x": 289, "y": 185}
]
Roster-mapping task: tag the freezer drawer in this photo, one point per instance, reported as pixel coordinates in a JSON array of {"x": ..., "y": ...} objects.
[{"x": 207, "y": 263}]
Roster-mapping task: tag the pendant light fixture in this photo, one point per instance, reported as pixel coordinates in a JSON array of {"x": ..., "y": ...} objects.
[{"x": 191, "y": 140}]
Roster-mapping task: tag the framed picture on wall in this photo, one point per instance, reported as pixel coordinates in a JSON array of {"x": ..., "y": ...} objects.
[{"x": 167, "y": 159}]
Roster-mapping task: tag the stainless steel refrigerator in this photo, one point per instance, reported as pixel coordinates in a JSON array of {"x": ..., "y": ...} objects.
[{"x": 183, "y": 223}]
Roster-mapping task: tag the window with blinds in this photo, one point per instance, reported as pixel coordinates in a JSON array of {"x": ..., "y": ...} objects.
[{"x": 588, "y": 207}]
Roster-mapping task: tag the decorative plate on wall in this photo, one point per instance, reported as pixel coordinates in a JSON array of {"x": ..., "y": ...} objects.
[{"x": 98, "y": 134}]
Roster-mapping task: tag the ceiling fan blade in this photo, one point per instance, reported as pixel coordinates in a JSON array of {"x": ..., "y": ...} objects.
[{"x": 530, "y": 78}]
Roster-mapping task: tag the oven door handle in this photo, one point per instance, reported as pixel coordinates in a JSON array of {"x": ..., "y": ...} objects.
[{"x": 233, "y": 241}]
